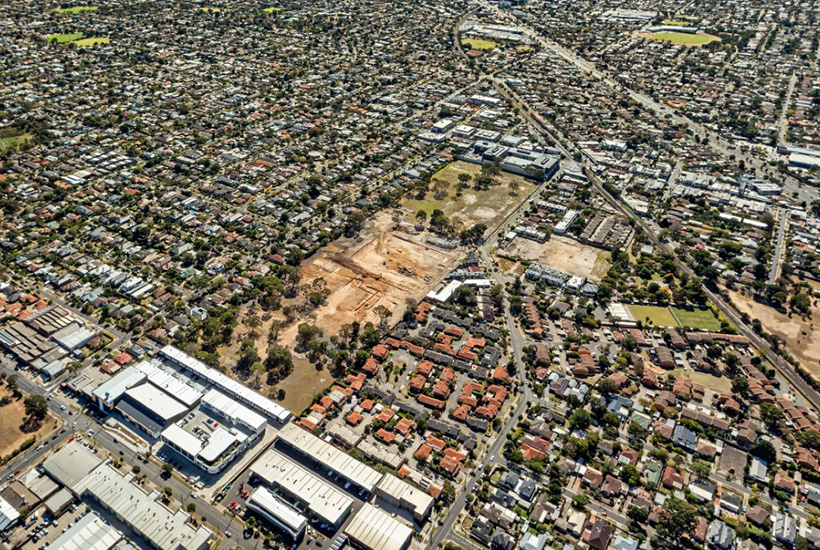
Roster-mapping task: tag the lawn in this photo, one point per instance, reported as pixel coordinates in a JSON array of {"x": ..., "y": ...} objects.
[
  {"x": 488, "y": 206},
  {"x": 684, "y": 38},
  {"x": 12, "y": 142},
  {"x": 75, "y": 10},
  {"x": 63, "y": 38},
  {"x": 273, "y": 10},
  {"x": 478, "y": 44},
  {"x": 702, "y": 319},
  {"x": 91, "y": 41},
  {"x": 659, "y": 316}
]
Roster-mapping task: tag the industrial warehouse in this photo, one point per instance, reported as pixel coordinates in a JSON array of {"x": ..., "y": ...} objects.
[
  {"x": 204, "y": 418},
  {"x": 334, "y": 460},
  {"x": 306, "y": 490},
  {"x": 98, "y": 482}
]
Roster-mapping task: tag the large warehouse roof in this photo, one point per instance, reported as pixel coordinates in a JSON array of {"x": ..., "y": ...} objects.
[
  {"x": 267, "y": 503},
  {"x": 170, "y": 384},
  {"x": 89, "y": 533},
  {"x": 227, "y": 384},
  {"x": 71, "y": 464},
  {"x": 322, "y": 498},
  {"x": 164, "y": 529},
  {"x": 8, "y": 514},
  {"x": 375, "y": 529},
  {"x": 326, "y": 454},
  {"x": 115, "y": 387},
  {"x": 157, "y": 401},
  {"x": 237, "y": 412},
  {"x": 415, "y": 500}
]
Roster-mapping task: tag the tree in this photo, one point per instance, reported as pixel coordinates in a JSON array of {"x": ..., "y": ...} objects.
[
  {"x": 36, "y": 407},
  {"x": 308, "y": 332},
  {"x": 579, "y": 420},
  {"x": 677, "y": 519},
  {"x": 740, "y": 386},
  {"x": 607, "y": 386},
  {"x": 191, "y": 507},
  {"x": 638, "y": 515},
  {"x": 764, "y": 450},
  {"x": 700, "y": 469},
  {"x": 771, "y": 415}
]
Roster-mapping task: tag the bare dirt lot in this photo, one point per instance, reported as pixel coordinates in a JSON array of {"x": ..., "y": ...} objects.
[
  {"x": 564, "y": 254},
  {"x": 12, "y": 414},
  {"x": 384, "y": 266},
  {"x": 802, "y": 337}
]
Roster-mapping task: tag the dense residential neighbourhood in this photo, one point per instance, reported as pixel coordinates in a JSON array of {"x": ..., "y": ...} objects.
[{"x": 420, "y": 274}]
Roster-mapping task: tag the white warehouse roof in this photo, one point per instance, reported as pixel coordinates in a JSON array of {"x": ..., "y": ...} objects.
[
  {"x": 89, "y": 533},
  {"x": 265, "y": 501},
  {"x": 170, "y": 384},
  {"x": 115, "y": 387},
  {"x": 322, "y": 498},
  {"x": 227, "y": 384},
  {"x": 375, "y": 529},
  {"x": 164, "y": 529},
  {"x": 335, "y": 459},
  {"x": 234, "y": 410},
  {"x": 157, "y": 401}
]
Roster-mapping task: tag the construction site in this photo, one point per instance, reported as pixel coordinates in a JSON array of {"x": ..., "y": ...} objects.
[{"x": 385, "y": 265}]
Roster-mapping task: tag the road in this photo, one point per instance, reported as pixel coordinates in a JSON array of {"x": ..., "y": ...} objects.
[
  {"x": 492, "y": 455},
  {"x": 782, "y": 122},
  {"x": 777, "y": 256}
]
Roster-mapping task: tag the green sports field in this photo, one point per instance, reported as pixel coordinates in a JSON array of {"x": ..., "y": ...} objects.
[
  {"x": 477, "y": 44},
  {"x": 683, "y": 37},
  {"x": 91, "y": 41},
  {"x": 75, "y": 10},
  {"x": 13, "y": 141},
  {"x": 703, "y": 319},
  {"x": 657, "y": 315},
  {"x": 63, "y": 38}
]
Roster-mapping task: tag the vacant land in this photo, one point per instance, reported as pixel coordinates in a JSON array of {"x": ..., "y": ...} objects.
[
  {"x": 683, "y": 38},
  {"x": 564, "y": 254},
  {"x": 802, "y": 337},
  {"x": 703, "y": 319},
  {"x": 209, "y": 9},
  {"x": 676, "y": 23},
  {"x": 12, "y": 414},
  {"x": 9, "y": 141},
  {"x": 719, "y": 384},
  {"x": 303, "y": 384},
  {"x": 75, "y": 10},
  {"x": 63, "y": 38},
  {"x": 478, "y": 44},
  {"x": 488, "y": 206},
  {"x": 85, "y": 42},
  {"x": 383, "y": 266},
  {"x": 656, "y": 315}
]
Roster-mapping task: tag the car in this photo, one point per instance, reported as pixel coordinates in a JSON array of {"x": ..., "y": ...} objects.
[
  {"x": 63, "y": 407},
  {"x": 228, "y": 534}
]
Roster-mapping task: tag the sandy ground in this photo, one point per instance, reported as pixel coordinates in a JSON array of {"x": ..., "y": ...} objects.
[
  {"x": 11, "y": 417},
  {"x": 802, "y": 337},
  {"x": 564, "y": 254},
  {"x": 383, "y": 267}
]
